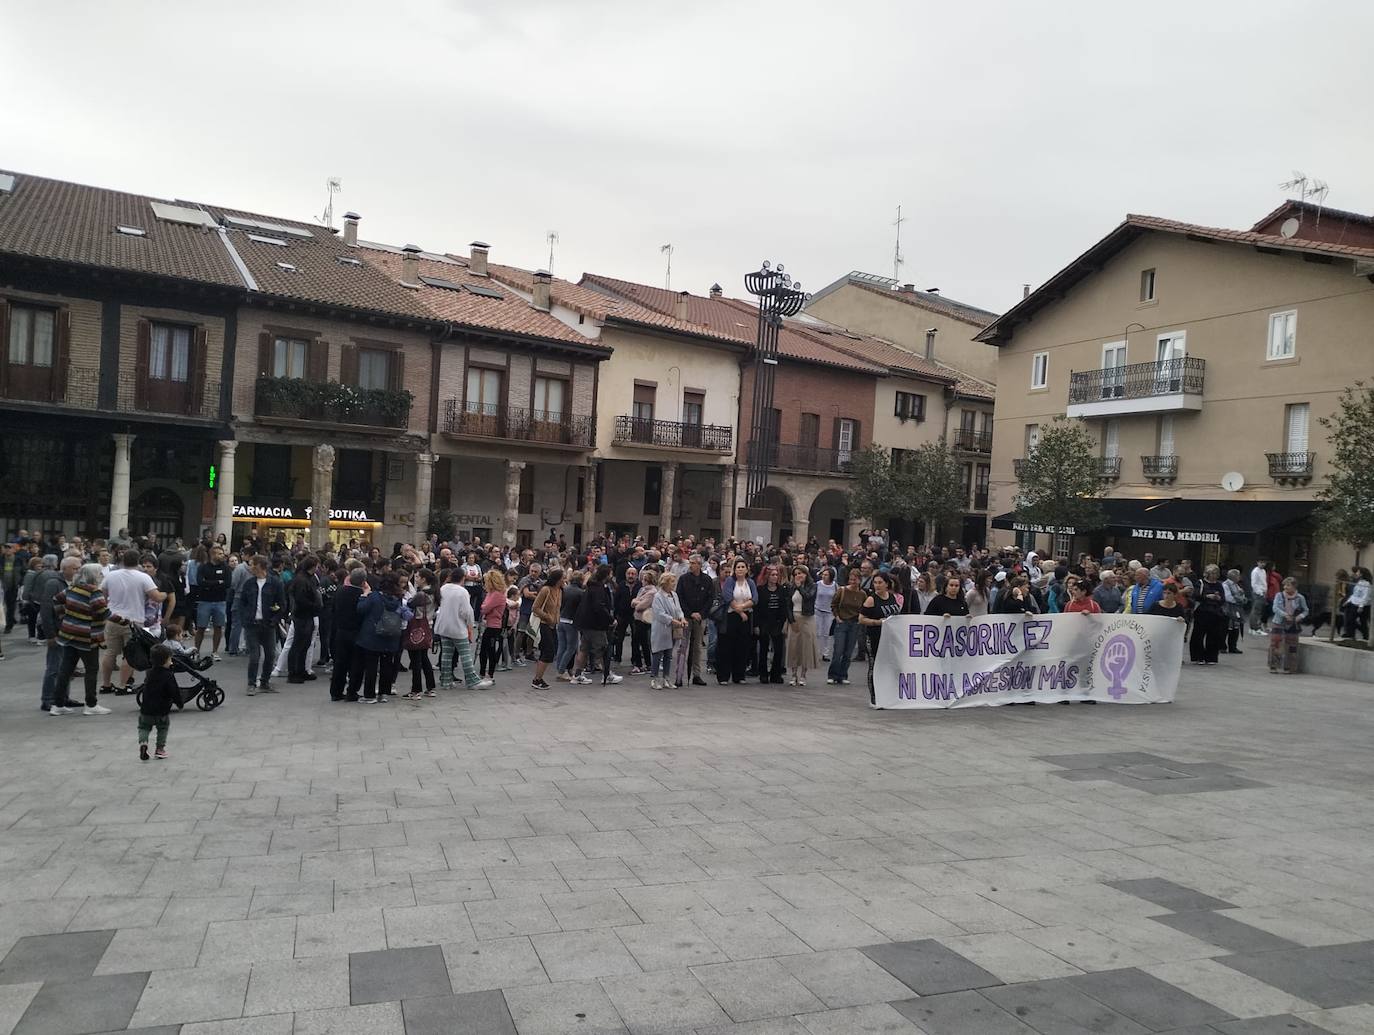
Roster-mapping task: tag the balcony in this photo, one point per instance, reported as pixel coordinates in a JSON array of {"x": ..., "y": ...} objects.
[
  {"x": 1108, "y": 468},
  {"x": 514, "y": 423},
  {"x": 293, "y": 400},
  {"x": 1159, "y": 470},
  {"x": 807, "y": 459},
  {"x": 671, "y": 434},
  {"x": 971, "y": 441},
  {"x": 1168, "y": 386},
  {"x": 1291, "y": 468}
]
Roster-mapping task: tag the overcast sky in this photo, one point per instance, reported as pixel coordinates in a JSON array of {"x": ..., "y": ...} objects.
[{"x": 1012, "y": 134}]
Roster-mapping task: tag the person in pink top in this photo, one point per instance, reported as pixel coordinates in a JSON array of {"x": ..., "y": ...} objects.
[{"x": 493, "y": 619}]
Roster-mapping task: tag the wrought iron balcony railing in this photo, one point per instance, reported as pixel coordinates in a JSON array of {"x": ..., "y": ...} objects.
[
  {"x": 519, "y": 424},
  {"x": 1159, "y": 468},
  {"x": 673, "y": 434},
  {"x": 294, "y": 398},
  {"x": 972, "y": 441},
  {"x": 811, "y": 459},
  {"x": 1291, "y": 468},
  {"x": 1138, "y": 380},
  {"x": 1109, "y": 467}
]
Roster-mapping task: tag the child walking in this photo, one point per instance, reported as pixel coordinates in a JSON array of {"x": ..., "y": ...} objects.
[{"x": 159, "y": 696}]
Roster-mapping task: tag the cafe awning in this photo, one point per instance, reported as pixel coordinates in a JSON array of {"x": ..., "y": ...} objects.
[{"x": 1189, "y": 520}]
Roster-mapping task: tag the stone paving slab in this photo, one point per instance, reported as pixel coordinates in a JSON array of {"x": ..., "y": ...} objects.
[{"x": 706, "y": 861}]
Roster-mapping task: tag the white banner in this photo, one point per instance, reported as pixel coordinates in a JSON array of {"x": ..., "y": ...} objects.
[{"x": 957, "y": 662}]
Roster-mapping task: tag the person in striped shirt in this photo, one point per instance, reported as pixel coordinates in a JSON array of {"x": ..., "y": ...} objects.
[{"x": 81, "y": 610}]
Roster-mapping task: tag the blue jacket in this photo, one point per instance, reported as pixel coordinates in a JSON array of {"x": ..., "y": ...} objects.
[
  {"x": 273, "y": 600},
  {"x": 1152, "y": 595},
  {"x": 370, "y": 610}
]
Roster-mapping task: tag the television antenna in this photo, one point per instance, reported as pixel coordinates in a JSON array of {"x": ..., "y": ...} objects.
[
  {"x": 667, "y": 250},
  {"x": 552, "y": 238},
  {"x": 333, "y": 185},
  {"x": 897, "y": 257},
  {"x": 1308, "y": 188}
]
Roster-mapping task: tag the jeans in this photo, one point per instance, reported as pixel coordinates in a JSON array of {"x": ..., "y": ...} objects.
[
  {"x": 52, "y": 664},
  {"x": 90, "y": 658},
  {"x": 640, "y": 655},
  {"x": 262, "y": 643},
  {"x": 1257, "y": 606},
  {"x": 846, "y": 635},
  {"x": 234, "y": 637},
  {"x": 147, "y": 723},
  {"x": 662, "y": 664},
  {"x": 824, "y": 639},
  {"x": 567, "y": 647},
  {"x": 491, "y": 652},
  {"x": 420, "y": 669},
  {"x": 777, "y": 643}
]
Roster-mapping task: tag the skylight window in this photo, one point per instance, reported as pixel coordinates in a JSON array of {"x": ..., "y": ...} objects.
[
  {"x": 277, "y": 241},
  {"x": 484, "y": 291},
  {"x": 131, "y": 231},
  {"x": 440, "y": 282},
  {"x": 6, "y": 183},
  {"x": 345, "y": 260},
  {"x": 288, "y": 267},
  {"x": 170, "y": 213},
  {"x": 274, "y": 228}
]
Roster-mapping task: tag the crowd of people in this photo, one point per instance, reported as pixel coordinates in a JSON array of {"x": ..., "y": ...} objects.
[{"x": 465, "y": 614}]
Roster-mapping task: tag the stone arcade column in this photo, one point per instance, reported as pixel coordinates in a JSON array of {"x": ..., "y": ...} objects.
[
  {"x": 727, "y": 503},
  {"x": 424, "y": 493},
  {"x": 668, "y": 500},
  {"x": 588, "y": 503},
  {"x": 224, "y": 490},
  {"x": 801, "y": 529},
  {"x": 321, "y": 494},
  {"x": 119, "y": 487},
  {"x": 510, "y": 520}
]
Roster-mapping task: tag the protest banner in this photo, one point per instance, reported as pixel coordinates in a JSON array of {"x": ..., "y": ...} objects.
[{"x": 961, "y": 662}]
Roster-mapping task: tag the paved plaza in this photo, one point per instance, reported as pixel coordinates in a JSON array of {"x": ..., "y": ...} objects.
[{"x": 755, "y": 860}]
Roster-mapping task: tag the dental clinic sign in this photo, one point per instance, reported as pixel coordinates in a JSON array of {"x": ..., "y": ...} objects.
[{"x": 957, "y": 662}]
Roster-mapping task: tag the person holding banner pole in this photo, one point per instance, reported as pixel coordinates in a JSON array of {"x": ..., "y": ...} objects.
[
  {"x": 1079, "y": 600},
  {"x": 880, "y": 604},
  {"x": 847, "y": 604}
]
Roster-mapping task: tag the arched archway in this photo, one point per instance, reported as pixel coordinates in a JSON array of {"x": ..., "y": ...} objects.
[
  {"x": 159, "y": 511},
  {"x": 779, "y": 502},
  {"x": 827, "y": 517}
]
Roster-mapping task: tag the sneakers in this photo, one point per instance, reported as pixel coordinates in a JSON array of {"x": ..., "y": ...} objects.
[
  {"x": 563, "y": 677},
  {"x": 93, "y": 709},
  {"x": 430, "y": 693},
  {"x": 57, "y": 709},
  {"x": 160, "y": 753},
  {"x": 268, "y": 688},
  {"x": 143, "y": 752},
  {"x": 698, "y": 681},
  {"x": 414, "y": 695},
  {"x": 611, "y": 677},
  {"x": 215, "y": 657},
  {"x": 252, "y": 690},
  {"x": 483, "y": 684},
  {"x": 539, "y": 684},
  {"x": 367, "y": 700},
  {"x": 582, "y": 680},
  {"x": 654, "y": 684}
]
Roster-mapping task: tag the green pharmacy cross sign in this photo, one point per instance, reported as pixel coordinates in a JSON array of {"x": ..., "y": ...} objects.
[{"x": 213, "y": 475}]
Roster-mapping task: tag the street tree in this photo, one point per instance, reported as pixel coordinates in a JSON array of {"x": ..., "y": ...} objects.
[
  {"x": 1347, "y": 514},
  {"x": 875, "y": 495},
  {"x": 1060, "y": 487},
  {"x": 931, "y": 483}
]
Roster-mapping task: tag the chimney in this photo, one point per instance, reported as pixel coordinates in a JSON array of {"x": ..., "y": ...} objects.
[
  {"x": 542, "y": 280},
  {"x": 477, "y": 261},
  {"x": 410, "y": 265},
  {"x": 717, "y": 291},
  {"x": 930, "y": 344},
  {"x": 680, "y": 306},
  {"x": 1025, "y": 291},
  {"x": 351, "y": 229},
  {"x": 932, "y": 291},
  {"x": 909, "y": 289}
]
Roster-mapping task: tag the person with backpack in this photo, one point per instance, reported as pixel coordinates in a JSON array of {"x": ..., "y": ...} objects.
[
  {"x": 384, "y": 619},
  {"x": 419, "y": 637}
]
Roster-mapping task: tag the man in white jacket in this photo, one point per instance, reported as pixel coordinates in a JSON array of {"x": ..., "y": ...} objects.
[
  {"x": 453, "y": 624},
  {"x": 1259, "y": 592}
]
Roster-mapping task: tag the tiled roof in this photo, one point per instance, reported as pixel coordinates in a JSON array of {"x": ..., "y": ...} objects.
[
  {"x": 1132, "y": 227},
  {"x": 509, "y": 314},
  {"x": 934, "y": 303},
  {"x": 74, "y": 223},
  {"x": 737, "y": 318},
  {"x": 602, "y": 307},
  {"x": 1301, "y": 208}
]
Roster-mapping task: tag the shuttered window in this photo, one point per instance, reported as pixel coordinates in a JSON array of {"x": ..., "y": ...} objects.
[
  {"x": 549, "y": 393},
  {"x": 170, "y": 355},
  {"x": 1166, "y": 435},
  {"x": 1111, "y": 438},
  {"x": 484, "y": 391},
  {"x": 374, "y": 368},
  {"x": 289, "y": 357},
  {"x": 1296, "y": 424},
  {"x": 31, "y": 336},
  {"x": 644, "y": 398}
]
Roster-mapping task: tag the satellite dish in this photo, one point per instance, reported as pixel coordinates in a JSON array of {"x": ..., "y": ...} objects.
[
  {"x": 1233, "y": 481},
  {"x": 1290, "y": 227}
]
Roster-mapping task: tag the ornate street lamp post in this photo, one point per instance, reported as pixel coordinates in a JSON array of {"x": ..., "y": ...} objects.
[{"x": 779, "y": 297}]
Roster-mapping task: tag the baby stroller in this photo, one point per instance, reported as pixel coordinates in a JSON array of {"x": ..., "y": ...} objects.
[{"x": 203, "y": 690}]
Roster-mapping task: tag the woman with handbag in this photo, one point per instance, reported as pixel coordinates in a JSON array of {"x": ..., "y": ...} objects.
[
  {"x": 641, "y": 656},
  {"x": 419, "y": 637},
  {"x": 1285, "y": 624},
  {"x": 667, "y": 624},
  {"x": 548, "y": 604},
  {"x": 384, "y": 619}
]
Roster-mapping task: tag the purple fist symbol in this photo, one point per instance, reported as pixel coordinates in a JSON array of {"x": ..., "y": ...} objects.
[{"x": 1118, "y": 658}]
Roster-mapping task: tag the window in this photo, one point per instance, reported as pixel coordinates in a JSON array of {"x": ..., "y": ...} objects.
[
  {"x": 374, "y": 368},
  {"x": 653, "y": 489},
  {"x": 909, "y": 406},
  {"x": 289, "y": 357},
  {"x": 169, "y": 358},
  {"x": 1111, "y": 438},
  {"x": 1063, "y": 544},
  {"x": 483, "y": 391},
  {"x": 1032, "y": 438},
  {"x": 1295, "y": 428},
  {"x": 987, "y": 426},
  {"x": 1283, "y": 335},
  {"x": 966, "y": 476},
  {"x": 1170, "y": 350},
  {"x": 693, "y": 407},
  {"x": 810, "y": 429},
  {"x": 966, "y": 419},
  {"x": 1113, "y": 369},
  {"x": 1040, "y": 370},
  {"x": 31, "y": 336},
  {"x": 980, "y": 487},
  {"x": 1166, "y": 435},
  {"x": 526, "y": 502},
  {"x": 1147, "y": 285},
  {"x": 644, "y": 397},
  {"x": 845, "y": 439},
  {"x": 549, "y": 394}
]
